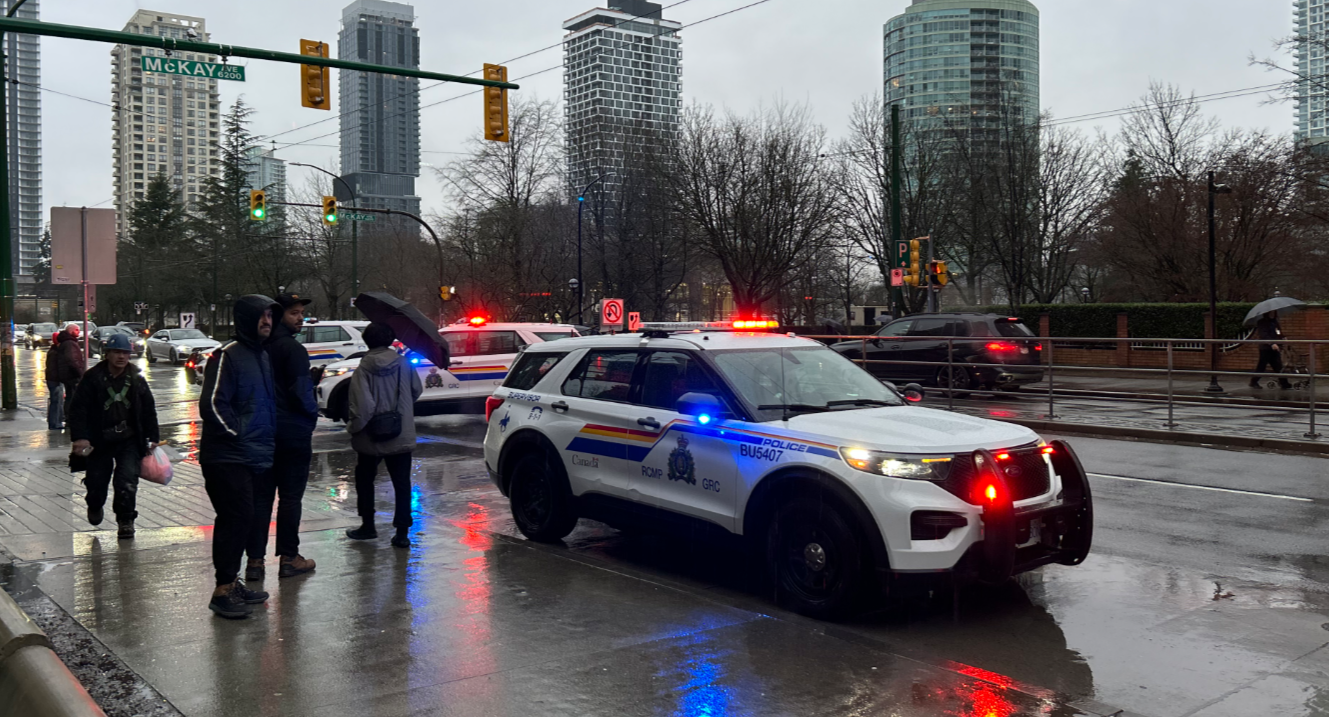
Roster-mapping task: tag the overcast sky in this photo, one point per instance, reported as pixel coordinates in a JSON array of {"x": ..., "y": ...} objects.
[{"x": 1096, "y": 55}]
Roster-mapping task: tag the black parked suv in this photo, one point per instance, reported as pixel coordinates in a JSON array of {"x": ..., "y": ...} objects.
[{"x": 983, "y": 338}]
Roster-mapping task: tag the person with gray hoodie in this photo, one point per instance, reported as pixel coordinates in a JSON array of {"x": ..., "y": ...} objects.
[{"x": 381, "y": 422}]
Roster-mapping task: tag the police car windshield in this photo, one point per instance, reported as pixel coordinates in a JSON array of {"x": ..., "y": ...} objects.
[{"x": 797, "y": 379}]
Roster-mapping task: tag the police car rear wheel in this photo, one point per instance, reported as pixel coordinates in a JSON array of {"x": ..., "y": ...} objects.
[
  {"x": 815, "y": 558},
  {"x": 540, "y": 499}
]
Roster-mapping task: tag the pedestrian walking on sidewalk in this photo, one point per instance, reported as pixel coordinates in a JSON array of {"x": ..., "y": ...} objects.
[
  {"x": 55, "y": 390},
  {"x": 382, "y": 426},
  {"x": 235, "y": 450},
  {"x": 1271, "y": 354},
  {"x": 297, "y": 414},
  {"x": 70, "y": 365},
  {"x": 112, "y": 413}
]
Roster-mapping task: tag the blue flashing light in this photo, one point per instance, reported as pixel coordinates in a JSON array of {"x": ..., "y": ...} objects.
[
  {"x": 581, "y": 199},
  {"x": 415, "y": 360},
  {"x": 703, "y": 419}
]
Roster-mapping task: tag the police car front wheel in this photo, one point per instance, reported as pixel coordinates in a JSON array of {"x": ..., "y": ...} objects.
[
  {"x": 816, "y": 558},
  {"x": 541, "y": 500}
]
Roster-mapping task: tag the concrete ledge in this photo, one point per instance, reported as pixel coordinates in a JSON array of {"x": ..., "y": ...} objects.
[
  {"x": 1158, "y": 435},
  {"x": 35, "y": 683},
  {"x": 17, "y": 630},
  {"x": 33, "y": 680}
]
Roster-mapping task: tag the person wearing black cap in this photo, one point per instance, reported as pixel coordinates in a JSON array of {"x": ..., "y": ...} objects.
[
  {"x": 297, "y": 414},
  {"x": 238, "y": 409}
]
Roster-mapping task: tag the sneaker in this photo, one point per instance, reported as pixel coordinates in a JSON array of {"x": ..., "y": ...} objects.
[
  {"x": 1255, "y": 383},
  {"x": 292, "y": 566},
  {"x": 229, "y": 604},
  {"x": 251, "y": 597},
  {"x": 364, "y": 532},
  {"x": 255, "y": 569},
  {"x": 126, "y": 531},
  {"x": 95, "y": 515},
  {"x": 1285, "y": 385},
  {"x": 400, "y": 541}
]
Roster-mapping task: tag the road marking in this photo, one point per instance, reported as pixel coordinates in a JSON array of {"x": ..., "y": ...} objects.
[{"x": 1204, "y": 487}]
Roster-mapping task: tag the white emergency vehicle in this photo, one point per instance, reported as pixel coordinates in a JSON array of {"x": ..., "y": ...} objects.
[
  {"x": 481, "y": 354},
  {"x": 838, "y": 480},
  {"x": 326, "y": 341}
]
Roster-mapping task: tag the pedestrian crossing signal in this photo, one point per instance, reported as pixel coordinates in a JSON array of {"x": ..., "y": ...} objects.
[
  {"x": 258, "y": 205},
  {"x": 330, "y": 211}
]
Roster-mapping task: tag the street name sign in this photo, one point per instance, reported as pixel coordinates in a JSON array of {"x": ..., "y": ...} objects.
[
  {"x": 209, "y": 70},
  {"x": 359, "y": 217}
]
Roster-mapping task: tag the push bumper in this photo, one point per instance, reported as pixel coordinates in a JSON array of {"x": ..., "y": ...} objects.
[{"x": 1019, "y": 540}]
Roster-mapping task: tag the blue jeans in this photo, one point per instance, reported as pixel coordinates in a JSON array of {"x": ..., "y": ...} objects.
[{"x": 55, "y": 405}]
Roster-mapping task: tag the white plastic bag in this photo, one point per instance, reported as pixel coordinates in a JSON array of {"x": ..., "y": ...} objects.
[{"x": 157, "y": 467}]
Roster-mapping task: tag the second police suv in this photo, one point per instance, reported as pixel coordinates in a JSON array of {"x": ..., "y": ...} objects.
[{"x": 834, "y": 478}]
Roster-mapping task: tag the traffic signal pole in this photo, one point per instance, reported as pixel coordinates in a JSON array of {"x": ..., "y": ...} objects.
[
  {"x": 8, "y": 375},
  {"x": 897, "y": 231}
]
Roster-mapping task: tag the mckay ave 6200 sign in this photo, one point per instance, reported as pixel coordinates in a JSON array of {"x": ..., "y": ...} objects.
[{"x": 210, "y": 70}]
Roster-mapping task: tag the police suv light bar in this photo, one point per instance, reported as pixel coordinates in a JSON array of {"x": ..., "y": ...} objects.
[{"x": 735, "y": 325}]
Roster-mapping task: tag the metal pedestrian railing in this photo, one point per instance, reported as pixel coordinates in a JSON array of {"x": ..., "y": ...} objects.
[{"x": 962, "y": 352}]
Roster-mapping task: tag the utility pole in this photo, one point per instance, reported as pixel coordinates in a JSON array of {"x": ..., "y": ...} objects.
[
  {"x": 1213, "y": 387},
  {"x": 897, "y": 231}
]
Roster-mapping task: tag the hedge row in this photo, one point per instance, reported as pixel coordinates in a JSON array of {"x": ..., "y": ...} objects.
[{"x": 1145, "y": 321}]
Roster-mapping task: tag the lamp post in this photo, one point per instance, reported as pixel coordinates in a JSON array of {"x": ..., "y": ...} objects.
[
  {"x": 581, "y": 203},
  {"x": 355, "y": 233},
  {"x": 1213, "y": 386}
]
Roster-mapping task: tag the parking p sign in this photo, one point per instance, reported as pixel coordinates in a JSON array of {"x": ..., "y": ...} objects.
[{"x": 611, "y": 314}]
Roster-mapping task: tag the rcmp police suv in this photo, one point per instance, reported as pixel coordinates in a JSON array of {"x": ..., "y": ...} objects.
[{"x": 835, "y": 477}]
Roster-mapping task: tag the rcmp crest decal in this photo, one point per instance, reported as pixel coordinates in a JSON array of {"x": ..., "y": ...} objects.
[
  {"x": 433, "y": 380},
  {"x": 681, "y": 465}
]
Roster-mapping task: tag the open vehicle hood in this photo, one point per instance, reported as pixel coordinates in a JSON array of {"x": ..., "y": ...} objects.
[{"x": 911, "y": 429}]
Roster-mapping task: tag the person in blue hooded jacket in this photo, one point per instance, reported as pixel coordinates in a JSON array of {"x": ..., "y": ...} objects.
[{"x": 239, "y": 412}]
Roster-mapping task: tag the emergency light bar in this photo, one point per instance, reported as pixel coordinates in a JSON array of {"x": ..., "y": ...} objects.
[{"x": 735, "y": 325}]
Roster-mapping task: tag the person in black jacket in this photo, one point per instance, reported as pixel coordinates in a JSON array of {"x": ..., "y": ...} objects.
[
  {"x": 238, "y": 409},
  {"x": 55, "y": 390},
  {"x": 297, "y": 414},
  {"x": 113, "y": 415},
  {"x": 70, "y": 364},
  {"x": 1271, "y": 353}
]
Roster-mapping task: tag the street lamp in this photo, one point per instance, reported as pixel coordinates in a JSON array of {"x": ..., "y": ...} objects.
[
  {"x": 581, "y": 203},
  {"x": 355, "y": 234},
  {"x": 1085, "y": 293},
  {"x": 1213, "y": 386}
]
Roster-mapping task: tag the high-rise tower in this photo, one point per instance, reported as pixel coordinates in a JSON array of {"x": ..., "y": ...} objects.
[
  {"x": 1310, "y": 57},
  {"x": 380, "y": 114},
  {"x": 25, "y": 147}
]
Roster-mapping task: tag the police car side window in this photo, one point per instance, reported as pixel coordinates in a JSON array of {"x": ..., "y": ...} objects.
[
  {"x": 458, "y": 343},
  {"x": 670, "y": 374},
  {"x": 603, "y": 375},
  {"x": 530, "y": 368},
  {"x": 495, "y": 342}
]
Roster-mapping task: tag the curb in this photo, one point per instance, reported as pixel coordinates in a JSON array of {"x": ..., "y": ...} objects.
[
  {"x": 33, "y": 680},
  {"x": 1155, "y": 435}
]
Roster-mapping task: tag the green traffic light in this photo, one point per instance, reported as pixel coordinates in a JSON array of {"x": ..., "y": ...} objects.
[
  {"x": 332, "y": 218},
  {"x": 258, "y": 213}
]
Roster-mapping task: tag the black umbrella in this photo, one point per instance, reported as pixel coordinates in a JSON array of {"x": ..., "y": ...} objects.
[
  {"x": 1281, "y": 304},
  {"x": 412, "y": 327}
]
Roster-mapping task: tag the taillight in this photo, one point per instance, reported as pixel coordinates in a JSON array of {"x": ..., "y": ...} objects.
[
  {"x": 189, "y": 364},
  {"x": 1038, "y": 347},
  {"x": 491, "y": 404},
  {"x": 1002, "y": 347}
]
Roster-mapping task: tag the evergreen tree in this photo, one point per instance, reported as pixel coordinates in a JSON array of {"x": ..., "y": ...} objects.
[{"x": 221, "y": 215}]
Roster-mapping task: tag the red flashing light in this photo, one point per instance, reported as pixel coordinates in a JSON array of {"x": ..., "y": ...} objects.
[
  {"x": 1003, "y": 456},
  {"x": 756, "y": 324},
  {"x": 1002, "y": 347},
  {"x": 491, "y": 404},
  {"x": 1048, "y": 450},
  {"x": 991, "y": 492},
  {"x": 189, "y": 364},
  {"x": 478, "y": 321}
]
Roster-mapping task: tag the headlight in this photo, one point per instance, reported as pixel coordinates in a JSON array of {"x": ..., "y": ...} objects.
[
  {"x": 896, "y": 466},
  {"x": 329, "y": 373}
]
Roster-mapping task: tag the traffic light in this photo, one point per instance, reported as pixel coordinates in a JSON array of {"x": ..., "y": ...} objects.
[
  {"x": 258, "y": 205},
  {"x": 330, "y": 211},
  {"x": 446, "y": 293},
  {"x": 496, "y": 104},
  {"x": 940, "y": 274},
  {"x": 914, "y": 274},
  {"x": 314, "y": 78}
]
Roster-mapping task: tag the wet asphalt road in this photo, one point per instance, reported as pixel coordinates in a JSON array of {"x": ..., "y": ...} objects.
[{"x": 1207, "y": 594}]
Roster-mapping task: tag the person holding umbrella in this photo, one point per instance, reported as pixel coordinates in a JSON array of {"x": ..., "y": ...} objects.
[
  {"x": 381, "y": 421},
  {"x": 1264, "y": 316}
]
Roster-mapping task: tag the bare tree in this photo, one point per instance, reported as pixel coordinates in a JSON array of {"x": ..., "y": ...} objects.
[{"x": 758, "y": 193}]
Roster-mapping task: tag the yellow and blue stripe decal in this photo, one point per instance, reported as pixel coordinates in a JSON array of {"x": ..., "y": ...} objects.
[
  {"x": 591, "y": 440},
  {"x": 479, "y": 373},
  {"x": 322, "y": 354}
]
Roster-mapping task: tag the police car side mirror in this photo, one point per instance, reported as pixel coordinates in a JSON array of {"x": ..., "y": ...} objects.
[
  {"x": 702, "y": 406},
  {"x": 913, "y": 393}
]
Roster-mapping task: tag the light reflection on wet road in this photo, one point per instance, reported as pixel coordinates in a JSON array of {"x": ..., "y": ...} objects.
[{"x": 1194, "y": 603}]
